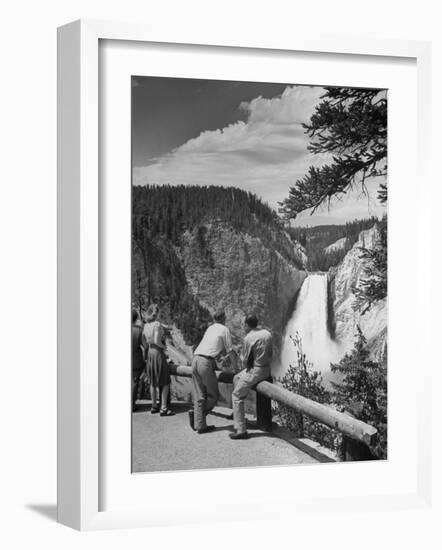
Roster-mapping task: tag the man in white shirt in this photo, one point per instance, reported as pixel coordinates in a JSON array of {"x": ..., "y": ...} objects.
[{"x": 217, "y": 340}]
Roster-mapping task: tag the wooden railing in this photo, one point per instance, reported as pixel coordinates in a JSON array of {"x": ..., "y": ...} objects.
[{"x": 359, "y": 434}]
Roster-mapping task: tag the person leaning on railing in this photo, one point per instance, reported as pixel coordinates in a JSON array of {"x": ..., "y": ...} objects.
[
  {"x": 217, "y": 340},
  {"x": 257, "y": 358}
]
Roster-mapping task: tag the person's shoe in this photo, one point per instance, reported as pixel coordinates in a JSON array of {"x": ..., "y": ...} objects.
[
  {"x": 192, "y": 419},
  {"x": 206, "y": 430},
  {"x": 236, "y": 435},
  {"x": 154, "y": 410},
  {"x": 167, "y": 412}
]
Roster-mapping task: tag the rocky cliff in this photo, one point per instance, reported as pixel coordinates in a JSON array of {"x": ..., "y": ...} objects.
[
  {"x": 238, "y": 272},
  {"x": 345, "y": 319},
  {"x": 340, "y": 244},
  {"x": 197, "y": 249}
]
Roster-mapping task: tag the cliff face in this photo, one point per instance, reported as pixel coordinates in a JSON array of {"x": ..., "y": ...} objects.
[
  {"x": 196, "y": 249},
  {"x": 340, "y": 244},
  {"x": 228, "y": 269},
  {"x": 341, "y": 280},
  {"x": 216, "y": 266}
]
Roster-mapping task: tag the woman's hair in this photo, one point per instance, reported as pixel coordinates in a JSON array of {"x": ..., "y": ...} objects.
[
  {"x": 134, "y": 315},
  {"x": 152, "y": 313}
]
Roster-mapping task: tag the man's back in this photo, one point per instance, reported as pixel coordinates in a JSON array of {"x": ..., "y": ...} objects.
[
  {"x": 258, "y": 344},
  {"x": 216, "y": 340}
]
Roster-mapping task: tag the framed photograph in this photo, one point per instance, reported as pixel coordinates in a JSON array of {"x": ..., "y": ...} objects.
[{"x": 233, "y": 219}]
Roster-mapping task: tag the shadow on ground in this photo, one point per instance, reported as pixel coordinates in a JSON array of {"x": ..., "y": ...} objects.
[
  {"x": 177, "y": 407},
  {"x": 49, "y": 511},
  {"x": 168, "y": 444}
]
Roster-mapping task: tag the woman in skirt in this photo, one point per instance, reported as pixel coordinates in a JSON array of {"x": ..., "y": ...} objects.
[{"x": 156, "y": 364}]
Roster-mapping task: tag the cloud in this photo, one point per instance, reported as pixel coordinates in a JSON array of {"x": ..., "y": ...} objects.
[
  {"x": 293, "y": 107},
  {"x": 264, "y": 154},
  {"x": 268, "y": 150}
]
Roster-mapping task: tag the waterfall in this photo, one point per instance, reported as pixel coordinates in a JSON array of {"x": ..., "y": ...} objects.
[{"x": 309, "y": 320}]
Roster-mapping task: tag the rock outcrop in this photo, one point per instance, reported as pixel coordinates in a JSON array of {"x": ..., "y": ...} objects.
[
  {"x": 217, "y": 266},
  {"x": 236, "y": 271},
  {"x": 340, "y": 244},
  {"x": 345, "y": 319}
]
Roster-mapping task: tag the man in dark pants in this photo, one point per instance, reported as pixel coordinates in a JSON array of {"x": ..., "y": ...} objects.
[
  {"x": 257, "y": 358},
  {"x": 217, "y": 340}
]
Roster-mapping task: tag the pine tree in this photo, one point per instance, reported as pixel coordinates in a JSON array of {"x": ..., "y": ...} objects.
[
  {"x": 363, "y": 390},
  {"x": 351, "y": 125}
]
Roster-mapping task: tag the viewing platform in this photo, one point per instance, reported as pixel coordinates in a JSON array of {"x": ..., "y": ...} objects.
[{"x": 168, "y": 443}]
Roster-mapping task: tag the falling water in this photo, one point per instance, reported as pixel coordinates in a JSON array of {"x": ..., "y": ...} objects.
[{"x": 309, "y": 320}]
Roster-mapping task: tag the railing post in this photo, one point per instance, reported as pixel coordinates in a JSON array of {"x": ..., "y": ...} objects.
[
  {"x": 352, "y": 450},
  {"x": 264, "y": 410}
]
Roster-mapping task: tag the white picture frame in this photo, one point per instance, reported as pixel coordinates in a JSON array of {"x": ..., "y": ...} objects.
[{"x": 79, "y": 448}]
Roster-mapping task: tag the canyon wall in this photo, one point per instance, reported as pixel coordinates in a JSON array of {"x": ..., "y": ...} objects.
[{"x": 345, "y": 319}]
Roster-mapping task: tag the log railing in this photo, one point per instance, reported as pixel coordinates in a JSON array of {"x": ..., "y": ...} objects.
[{"x": 353, "y": 429}]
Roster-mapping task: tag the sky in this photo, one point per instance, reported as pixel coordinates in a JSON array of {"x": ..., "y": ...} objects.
[{"x": 243, "y": 134}]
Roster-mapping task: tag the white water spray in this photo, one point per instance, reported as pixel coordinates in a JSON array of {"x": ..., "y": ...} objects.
[{"x": 309, "y": 320}]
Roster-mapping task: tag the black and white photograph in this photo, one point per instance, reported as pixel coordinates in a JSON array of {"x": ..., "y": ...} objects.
[
  {"x": 221, "y": 263},
  {"x": 259, "y": 274}
]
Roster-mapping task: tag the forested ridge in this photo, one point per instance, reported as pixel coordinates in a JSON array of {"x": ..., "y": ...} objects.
[
  {"x": 173, "y": 208},
  {"x": 185, "y": 236},
  {"x": 316, "y": 239},
  {"x": 168, "y": 211}
]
